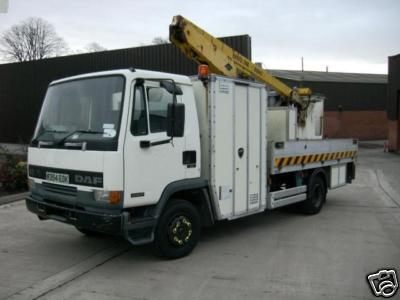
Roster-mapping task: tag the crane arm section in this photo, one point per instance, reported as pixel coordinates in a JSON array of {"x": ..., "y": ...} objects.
[{"x": 203, "y": 48}]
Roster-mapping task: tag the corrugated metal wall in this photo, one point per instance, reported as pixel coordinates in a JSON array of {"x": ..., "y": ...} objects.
[
  {"x": 393, "y": 100},
  {"x": 351, "y": 96},
  {"x": 362, "y": 113},
  {"x": 393, "y": 103},
  {"x": 23, "y": 85}
]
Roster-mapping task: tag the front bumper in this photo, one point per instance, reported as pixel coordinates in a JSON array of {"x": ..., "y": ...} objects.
[{"x": 137, "y": 231}]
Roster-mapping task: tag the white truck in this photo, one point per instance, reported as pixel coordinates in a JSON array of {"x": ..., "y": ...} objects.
[{"x": 154, "y": 157}]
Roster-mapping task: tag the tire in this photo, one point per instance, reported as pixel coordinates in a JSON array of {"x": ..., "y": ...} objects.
[
  {"x": 178, "y": 230},
  {"x": 316, "y": 196}
]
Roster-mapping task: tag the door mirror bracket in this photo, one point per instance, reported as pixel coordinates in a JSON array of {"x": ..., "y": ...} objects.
[{"x": 175, "y": 119}]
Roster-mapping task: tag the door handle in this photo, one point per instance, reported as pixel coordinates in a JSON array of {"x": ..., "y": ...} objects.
[{"x": 148, "y": 144}]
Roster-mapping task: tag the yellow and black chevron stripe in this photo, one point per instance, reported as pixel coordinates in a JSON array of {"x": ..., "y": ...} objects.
[{"x": 311, "y": 158}]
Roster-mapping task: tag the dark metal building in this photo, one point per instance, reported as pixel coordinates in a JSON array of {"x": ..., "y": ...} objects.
[
  {"x": 355, "y": 106},
  {"x": 393, "y": 103},
  {"x": 355, "y": 103},
  {"x": 23, "y": 85}
]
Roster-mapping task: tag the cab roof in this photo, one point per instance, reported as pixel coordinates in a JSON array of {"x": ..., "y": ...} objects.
[{"x": 131, "y": 74}]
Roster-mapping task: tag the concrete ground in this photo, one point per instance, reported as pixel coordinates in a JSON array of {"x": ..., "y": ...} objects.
[{"x": 276, "y": 255}]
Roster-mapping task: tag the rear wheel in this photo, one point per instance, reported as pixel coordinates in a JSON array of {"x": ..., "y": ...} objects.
[
  {"x": 178, "y": 230},
  {"x": 316, "y": 196}
]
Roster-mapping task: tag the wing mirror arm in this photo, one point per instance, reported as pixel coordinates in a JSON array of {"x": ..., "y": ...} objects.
[{"x": 175, "y": 115}]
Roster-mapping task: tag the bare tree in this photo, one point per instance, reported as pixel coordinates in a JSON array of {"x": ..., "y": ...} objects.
[
  {"x": 31, "y": 39},
  {"x": 94, "y": 47},
  {"x": 159, "y": 40}
]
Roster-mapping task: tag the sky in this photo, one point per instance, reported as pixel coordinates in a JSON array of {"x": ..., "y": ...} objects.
[{"x": 345, "y": 35}]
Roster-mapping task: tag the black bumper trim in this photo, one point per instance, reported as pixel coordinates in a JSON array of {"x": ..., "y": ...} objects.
[{"x": 138, "y": 232}]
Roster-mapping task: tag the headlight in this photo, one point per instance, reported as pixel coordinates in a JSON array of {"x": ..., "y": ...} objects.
[{"x": 112, "y": 197}]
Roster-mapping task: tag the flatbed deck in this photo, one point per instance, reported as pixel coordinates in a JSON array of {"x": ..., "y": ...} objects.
[{"x": 290, "y": 156}]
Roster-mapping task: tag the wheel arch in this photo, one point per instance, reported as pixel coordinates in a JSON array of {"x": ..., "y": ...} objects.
[{"x": 194, "y": 191}]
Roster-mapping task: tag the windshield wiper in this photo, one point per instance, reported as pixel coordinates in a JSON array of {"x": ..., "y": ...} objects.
[
  {"x": 36, "y": 139},
  {"x": 61, "y": 141}
]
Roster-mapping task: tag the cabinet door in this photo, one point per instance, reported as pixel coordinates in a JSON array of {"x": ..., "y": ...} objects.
[{"x": 240, "y": 150}]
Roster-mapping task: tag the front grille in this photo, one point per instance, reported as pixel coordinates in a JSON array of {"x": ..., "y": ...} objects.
[{"x": 60, "y": 189}]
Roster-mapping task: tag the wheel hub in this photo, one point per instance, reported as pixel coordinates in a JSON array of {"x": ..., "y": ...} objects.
[{"x": 180, "y": 231}]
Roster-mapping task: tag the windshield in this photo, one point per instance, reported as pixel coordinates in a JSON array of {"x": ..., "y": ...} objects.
[{"x": 89, "y": 107}]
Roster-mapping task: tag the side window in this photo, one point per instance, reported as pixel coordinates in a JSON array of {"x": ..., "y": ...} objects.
[
  {"x": 158, "y": 99},
  {"x": 139, "y": 115}
]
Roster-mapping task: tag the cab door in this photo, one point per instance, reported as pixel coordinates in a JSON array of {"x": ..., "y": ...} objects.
[{"x": 151, "y": 159}]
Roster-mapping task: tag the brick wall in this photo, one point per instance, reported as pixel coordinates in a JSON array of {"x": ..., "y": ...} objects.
[{"x": 362, "y": 125}]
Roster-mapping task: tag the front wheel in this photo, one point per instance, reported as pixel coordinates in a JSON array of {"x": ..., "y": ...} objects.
[
  {"x": 316, "y": 196},
  {"x": 178, "y": 230}
]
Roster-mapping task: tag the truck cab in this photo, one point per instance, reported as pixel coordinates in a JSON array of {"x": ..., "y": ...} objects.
[{"x": 100, "y": 158}]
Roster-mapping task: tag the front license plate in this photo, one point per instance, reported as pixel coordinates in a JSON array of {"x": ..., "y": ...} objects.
[{"x": 57, "y": 177}]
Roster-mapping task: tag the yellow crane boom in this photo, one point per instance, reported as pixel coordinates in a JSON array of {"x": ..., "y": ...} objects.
[{"x": 203, "y": 48}]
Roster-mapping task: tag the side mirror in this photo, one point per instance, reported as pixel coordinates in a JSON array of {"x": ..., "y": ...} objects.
[
  {"x": 175, "y": 119},
  {"x": 171, "y": 87}
]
